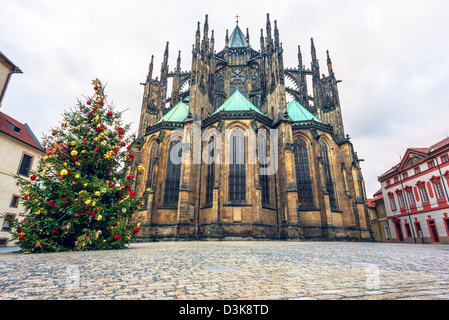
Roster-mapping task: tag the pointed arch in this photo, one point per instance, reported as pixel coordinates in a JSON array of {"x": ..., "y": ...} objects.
[
  {"x": 330, "y": 188},
  {"x": 303, "y": 180},
  {"x": 237, "y": 170},
  {"x": 172, "y": 180}
]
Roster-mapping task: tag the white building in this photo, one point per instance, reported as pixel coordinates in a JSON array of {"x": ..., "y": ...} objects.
[{"x": 415, "y": 193}]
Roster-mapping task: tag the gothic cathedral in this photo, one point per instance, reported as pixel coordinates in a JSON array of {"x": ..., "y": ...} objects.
[{"x": 226, "y": 157}]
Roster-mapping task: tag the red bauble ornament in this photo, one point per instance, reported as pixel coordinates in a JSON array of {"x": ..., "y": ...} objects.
[
  {"x": 116, "y": 237},
  {"x": 21, "y": 237},
  {"x": 33, "y": 177},
  {"x": 95, "y": 88}
]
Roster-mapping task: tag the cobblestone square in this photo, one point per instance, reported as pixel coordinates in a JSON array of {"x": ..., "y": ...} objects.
[{"x": 227, "y": 270}]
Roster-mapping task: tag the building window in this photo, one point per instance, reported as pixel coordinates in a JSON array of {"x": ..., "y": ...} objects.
[
  {"x": 439, "y": 190},
  {"x": 237, "y": 82},
  {"x": 388, "y": 183},
  {"x": 401, "y": 200},
  {"x": 444, "y": 158},
  {"x": 14, "y": 201},
  {"x": 418, "y": 229},
  {"x": 387, "y": 232},
  {"x": 218, "y": 101},
  {"x": 25, "y": 165},
  {"x": 424, "y": 194},
  {"x": 382, "y": 208},
  {"x": 327, "y": 172},
  {"x": 393, "y": 204},
  {"x": 172, "y": 179},
  {"x": 410, "y": 198},
  {"x": 210, "y": 179},
  {"x": 237, "y": 172},
  {"x": 405, "y": 175},
  {"x": 263, "y": 176},
  {"x": 431, "y": 164},
  {"x": 417, "y": 170},
  {"x": 408, "y": 230},
  {"x": 151, "y": 165},
  {"x": 396, "y": 179},
  {"x": 303, "y": 181}
]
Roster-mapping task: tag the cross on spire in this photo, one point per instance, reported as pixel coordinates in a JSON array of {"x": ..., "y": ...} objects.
[{"x": 237, "y": 17}]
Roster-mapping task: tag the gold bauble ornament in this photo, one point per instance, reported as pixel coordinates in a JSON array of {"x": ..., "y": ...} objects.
[
  {"x": 84, "y": 151},
  {"x": 99, "y": 217},
  {"x": 74, "y": 153},
  {"x": 87, "y": 202},
  {"x": 77, "y": 176},
  {"x": 97, "y": 193},
  {"x": 85, "y": 185},
  {"x": 37, "y": 213},
  {"x": 64, "y": 172},
  {"x": 73, "y": 143}
]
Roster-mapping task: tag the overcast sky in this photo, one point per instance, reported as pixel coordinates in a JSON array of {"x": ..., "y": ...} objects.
[{"x": 392, "y": 56}]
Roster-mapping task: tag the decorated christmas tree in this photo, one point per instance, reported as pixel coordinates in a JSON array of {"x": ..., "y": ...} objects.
[{"x": 81, "y": 194}]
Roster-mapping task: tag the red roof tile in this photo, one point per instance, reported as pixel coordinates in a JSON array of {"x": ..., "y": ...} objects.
[{"x": 7, "y": 125}]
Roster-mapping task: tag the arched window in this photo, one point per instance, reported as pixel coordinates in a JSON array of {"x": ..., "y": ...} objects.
[
  {"x": 328, "y": 176},
  {"x": 263, "y": 163},
  {"x": 172, "y": 179},
  {"x": 210, "y": 178},
  {"x": 238, "y": 82},
  {"x": 303, "y": 181},
  {"x": 151, "y": 165},
  {"x": 218, "y": 101},
  {"x": 237, "y": 173}
]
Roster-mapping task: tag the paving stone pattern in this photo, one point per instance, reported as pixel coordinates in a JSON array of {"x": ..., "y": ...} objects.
[{"x": 231, "y": 270}]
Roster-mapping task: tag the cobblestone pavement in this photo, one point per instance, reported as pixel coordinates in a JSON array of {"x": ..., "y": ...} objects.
[{"x": 231, "y": 270}]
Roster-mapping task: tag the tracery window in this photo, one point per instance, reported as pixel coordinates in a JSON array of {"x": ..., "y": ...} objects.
[
  {"x": 328, "y": 176},
  {"x": 210, "y": 179},
  {"x": 263, "y": 176},
  {"x": 255, "y": 81},
  {"x": 151, "y": 165},
  {"x": 238, "y": 82},
  {"x": 303, "y": 181},
  {"x": 237, "y": 173},
  {"x": 172, "y": 179},
  {"x": 219, "y": 82}
]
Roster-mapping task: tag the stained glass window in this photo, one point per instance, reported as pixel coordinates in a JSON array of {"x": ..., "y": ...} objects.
[
  {"x": 303, "y": 181},
  {"x": 237, "y": 173},
  {"x": 172, "y": 179}
]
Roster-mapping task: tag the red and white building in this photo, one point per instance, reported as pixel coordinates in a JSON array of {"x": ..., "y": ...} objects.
[{"x": 415, "y": 193}]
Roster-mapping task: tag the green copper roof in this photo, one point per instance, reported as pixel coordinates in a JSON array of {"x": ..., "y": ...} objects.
[
  {"x": 237, "y": 39},
  {"x": 176, "y": 114},
  {"x": 298, "y": 113},
  {"x": 237, "y": 102}
]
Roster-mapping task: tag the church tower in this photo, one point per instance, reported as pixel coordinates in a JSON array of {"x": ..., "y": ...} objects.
[{"x": 242, "y": 148}]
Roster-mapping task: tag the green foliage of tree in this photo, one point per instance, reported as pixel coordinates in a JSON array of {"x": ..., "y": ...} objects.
[{"x": 81, "y": 194}]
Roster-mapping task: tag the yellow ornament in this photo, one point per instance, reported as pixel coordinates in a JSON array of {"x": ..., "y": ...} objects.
[
  {"x": 43, "y": 172},
  {"x": 109, "y": 155},
  {"x": 140, "y": 168},
  {"x": 85, "y": 185},
  {"x": 77, "y": 176},
  {"x": 97, "y": 193},
  {"x": 64, "y": 172},
  {"x": 87, "y": 202},
  {"x": 65, "y": 164},
  {"x": 78, "y": 163},
  {"x": 84, "y": 151},
  {"x": 74, "y": 153},
  {"x": 93, "y": 203},
  {"x": 73, "y": 143},
  {"x": 37, "y": 213},
  {"x": 99, "y": 217}
]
